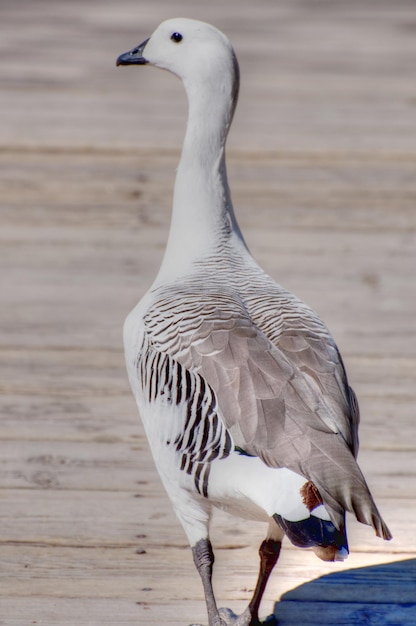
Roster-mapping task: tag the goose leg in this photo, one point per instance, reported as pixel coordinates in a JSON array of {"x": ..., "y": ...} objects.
[
  {"x": 204, "y": 561},
  {"x": 269, "y": 553}
]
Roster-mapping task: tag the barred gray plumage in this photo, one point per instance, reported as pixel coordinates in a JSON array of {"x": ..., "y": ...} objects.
[
  {"x": 242, "y": 320},
  {"x": 202, "y": 437}
]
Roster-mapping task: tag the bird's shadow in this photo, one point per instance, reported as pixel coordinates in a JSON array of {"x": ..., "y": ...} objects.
[{"x": 382, "y": 595}]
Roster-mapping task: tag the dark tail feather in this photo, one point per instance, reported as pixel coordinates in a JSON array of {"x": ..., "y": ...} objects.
[{"x": 313, "y": 532}]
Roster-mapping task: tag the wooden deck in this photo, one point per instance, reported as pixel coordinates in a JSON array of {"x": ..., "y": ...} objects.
[{"x": 322, "y": 164}]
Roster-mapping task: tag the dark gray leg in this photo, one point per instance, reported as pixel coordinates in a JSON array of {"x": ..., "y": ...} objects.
[{"x": 204, "y": 561}]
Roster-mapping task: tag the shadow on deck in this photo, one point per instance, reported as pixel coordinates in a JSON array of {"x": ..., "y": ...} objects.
[{"x": 380, "y": 595}]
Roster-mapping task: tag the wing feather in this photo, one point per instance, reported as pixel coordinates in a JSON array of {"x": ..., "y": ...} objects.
[{"x": 283, "y": 397}]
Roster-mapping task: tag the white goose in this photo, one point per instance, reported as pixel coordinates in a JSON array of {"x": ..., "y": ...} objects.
[{"x": 240, "y": 386}]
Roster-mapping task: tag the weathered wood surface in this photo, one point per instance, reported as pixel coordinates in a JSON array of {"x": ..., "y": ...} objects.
[{"x": 322, "y": 165}]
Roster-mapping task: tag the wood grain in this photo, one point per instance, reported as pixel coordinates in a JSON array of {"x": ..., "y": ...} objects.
[{"x": 322, "y": 165}]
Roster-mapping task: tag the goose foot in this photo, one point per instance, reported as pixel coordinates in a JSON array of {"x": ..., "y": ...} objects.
[
  {"x": 221, "y": 622},
  {"x": 229, "y": 618},
  {"x": 245, "y": 619}
]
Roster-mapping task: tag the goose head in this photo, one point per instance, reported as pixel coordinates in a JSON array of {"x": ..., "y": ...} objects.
[{"x": 196, "y": 52}]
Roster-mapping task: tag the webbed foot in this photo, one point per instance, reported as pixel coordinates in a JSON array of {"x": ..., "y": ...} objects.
[
  {"x": 219, "y": 622},
  {"x": 229, "y": 618},
  {"x": 245, "y": 619}
]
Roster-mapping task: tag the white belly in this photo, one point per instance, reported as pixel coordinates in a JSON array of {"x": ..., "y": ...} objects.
[{"x": 246, "y": 487}]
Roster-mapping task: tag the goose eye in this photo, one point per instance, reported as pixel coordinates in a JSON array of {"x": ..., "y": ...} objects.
[{"x": 176, "y": 37}]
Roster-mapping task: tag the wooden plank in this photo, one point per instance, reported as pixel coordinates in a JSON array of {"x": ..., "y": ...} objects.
[
  {"x": 321, "y": 162},
  {"x": 117, "y": 517},
  {"x": 91, "y": 612},
  {"x": 386, "y": 583},
  {"x": 344, "y": 614},
  {"x": 317, "y": 76},
  {"x": 381, "y": 594},
  {"x": 75, "y": 465}
]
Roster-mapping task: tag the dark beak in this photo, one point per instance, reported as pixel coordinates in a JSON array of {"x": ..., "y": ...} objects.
[{"x": 133, "y": 57}]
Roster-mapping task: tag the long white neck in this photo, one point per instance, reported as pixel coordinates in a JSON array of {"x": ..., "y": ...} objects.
[{"x": 203, "y": 219}]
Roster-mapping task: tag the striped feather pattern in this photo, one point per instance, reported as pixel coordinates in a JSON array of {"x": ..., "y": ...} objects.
[
  {"x": 202, "y": 437},
  {"x": 276, "y": 372}
]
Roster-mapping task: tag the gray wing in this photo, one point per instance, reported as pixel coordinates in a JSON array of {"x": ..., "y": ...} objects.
[
  {"x": 274, "y": 402},
  {"x": 298, "y": 332}
]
